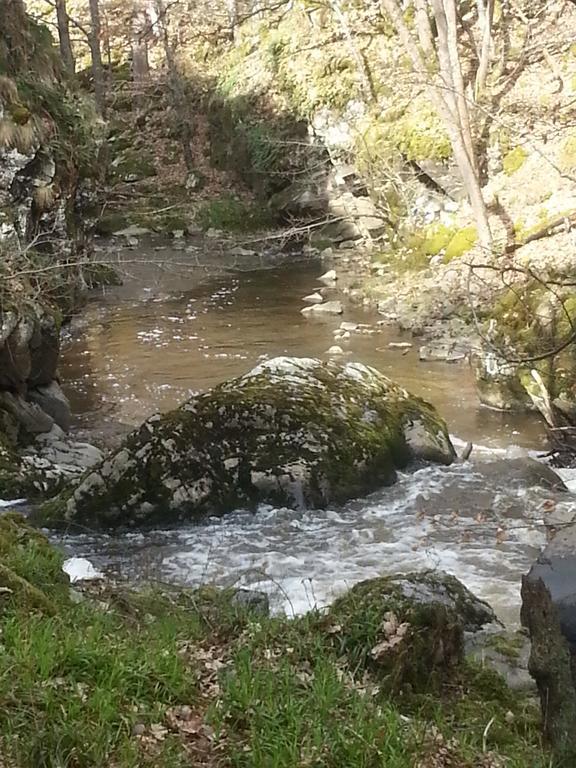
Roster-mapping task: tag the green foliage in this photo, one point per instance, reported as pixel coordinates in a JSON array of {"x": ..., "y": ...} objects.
[
  {"x": 74, "y": 135},
  {"x": 514, "y": 160},
  {"x": 284, "y": 716},
  {"x": 265, "y": 149},
  {"x": 234, "y": 215},
  {"x": 462, "y": 241}
]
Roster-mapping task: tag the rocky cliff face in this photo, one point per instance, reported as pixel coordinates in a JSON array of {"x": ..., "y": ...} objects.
[{"x": 48, "y": 151}]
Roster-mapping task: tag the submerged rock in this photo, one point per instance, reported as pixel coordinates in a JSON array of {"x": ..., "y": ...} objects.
[
  {"x": 408, "y": 628},
  {"x": 293, "y": 432}
]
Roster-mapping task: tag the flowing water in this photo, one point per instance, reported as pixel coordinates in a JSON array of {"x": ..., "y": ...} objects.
[{"x": 166, "y": 334}]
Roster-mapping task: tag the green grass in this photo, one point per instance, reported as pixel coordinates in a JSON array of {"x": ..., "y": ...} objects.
[{"x": 102, "y": 677}]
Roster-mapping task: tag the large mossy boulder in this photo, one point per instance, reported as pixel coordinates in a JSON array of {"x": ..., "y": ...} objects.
[
  {"x": 407, "y": 629},
  {"x": 293, "y": 432},
  {"x": 549, "y": 614}
]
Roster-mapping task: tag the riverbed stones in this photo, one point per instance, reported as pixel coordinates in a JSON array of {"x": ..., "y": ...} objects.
[{"x": 293, "y": 432}]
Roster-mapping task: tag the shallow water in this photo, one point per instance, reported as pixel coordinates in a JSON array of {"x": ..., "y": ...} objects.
[
  {"x": 149, "y": 345},
  {"x": 152, "y": 343}
]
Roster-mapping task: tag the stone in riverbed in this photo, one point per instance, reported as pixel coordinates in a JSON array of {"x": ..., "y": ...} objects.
[
  {"x": 327, "y": 308},
  {"x": 313, "y": 298},
  {"x": 293, "y": 432},
  {"x": 52, "y": 400}
]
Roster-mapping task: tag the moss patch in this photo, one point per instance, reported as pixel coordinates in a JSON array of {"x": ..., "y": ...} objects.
[
  {"x": 514, "y": 160},
  {"x": 233, "y": 215},
  {"x": 243, "y": 442}
]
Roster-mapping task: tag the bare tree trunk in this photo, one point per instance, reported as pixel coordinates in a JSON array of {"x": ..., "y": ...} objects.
[
  {"x": 458, "y": 78},
  {"x": 486, "y": 18},
  {"x": 367, "y": 85},
  {"x": 424, "y": 28},
  {"x": 447, "y": 93},
  {"x": 178, "y": 88},
  {"x": 232, "y": 10},
  {"x": 139, "y": 46},
  {"x": 64, "y": 35},
  {"x": 97, "y": 69}
]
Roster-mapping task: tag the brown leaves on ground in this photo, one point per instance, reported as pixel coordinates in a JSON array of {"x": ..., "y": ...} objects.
[
  {"x": 439, "y": 753},
  {"x": 189, "y": 725},
  {"x": 394, "y": 634}
]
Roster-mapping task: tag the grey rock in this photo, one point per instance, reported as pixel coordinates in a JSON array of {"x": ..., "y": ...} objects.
[
  {"x": 290, "y": 432},
  {"x": 440, "y": 606},
  {"x": 326, "y": 308},
  {"x": 29, "y": 416},
  {"x": 251, "y": 600},
  {"x": 52, "y": 400},
  {"x": 132, "y": 231}
]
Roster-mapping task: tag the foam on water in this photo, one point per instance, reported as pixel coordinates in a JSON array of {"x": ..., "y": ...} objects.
[{"x": 486, "y": 530}]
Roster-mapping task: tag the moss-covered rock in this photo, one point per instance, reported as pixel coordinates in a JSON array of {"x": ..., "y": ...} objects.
[
  {"x": 407, "y": 629},
  {"x": 295, "y": 432},
  {"x": 31, "y": 575},
  {"x": 530, "y": 328}
]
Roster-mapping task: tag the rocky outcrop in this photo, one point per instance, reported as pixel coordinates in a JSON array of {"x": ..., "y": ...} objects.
[
  {"x": 294, "y": 432},
  {"x": 48, "y": 151},
  {"x": 549, "y": 614},
  {"x": 408, "y": 629},
  {"x": 531, "y": 328}
]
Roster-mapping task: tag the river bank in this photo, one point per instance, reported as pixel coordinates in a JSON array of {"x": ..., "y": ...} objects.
[{"x": 100, "y": 673}]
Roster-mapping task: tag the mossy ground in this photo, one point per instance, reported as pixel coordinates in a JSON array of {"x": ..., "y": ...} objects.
[{"x": 107, "y": 676}]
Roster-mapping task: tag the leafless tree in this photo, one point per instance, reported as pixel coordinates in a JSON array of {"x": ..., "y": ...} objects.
[
  {"x": 95, "y": 42},
  {"x": 437, "y": 58},
  {"x": 64, "y": 35}
]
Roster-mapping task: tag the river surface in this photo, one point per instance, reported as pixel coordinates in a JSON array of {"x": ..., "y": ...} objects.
[{"x": 168, "y": 333}]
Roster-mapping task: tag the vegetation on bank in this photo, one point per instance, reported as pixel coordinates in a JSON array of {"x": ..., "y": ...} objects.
[{"x": 108, "y": 676}]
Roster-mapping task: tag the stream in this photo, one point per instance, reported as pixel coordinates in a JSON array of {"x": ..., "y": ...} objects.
[{"x": 168, "y": 333}]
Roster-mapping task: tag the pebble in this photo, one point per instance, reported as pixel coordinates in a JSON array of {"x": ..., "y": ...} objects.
[
  {"x": 348, "y": 326},
  {"x": 400, "y": 345},
  {"x": 335, "y": 350},
  {"x": 329, "y": 277},
  {"x": 313, "y": 298},
  {"x": 327, "y": 308}
]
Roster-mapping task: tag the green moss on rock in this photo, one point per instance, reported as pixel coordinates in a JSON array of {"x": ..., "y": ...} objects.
[
  {"x": 461, "y": 242},
  {"x": 527, "y": 322},
  {"x": 295, "y": 432},
  {"x": 407, "y": 629},
  {"x": 31, "y": 576},
  {"x": 568, "y": 153},
  {"x": 514, "y": 160}
]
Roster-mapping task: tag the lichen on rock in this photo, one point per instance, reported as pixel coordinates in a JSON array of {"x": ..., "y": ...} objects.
[{"x": 293, "y": 431}]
